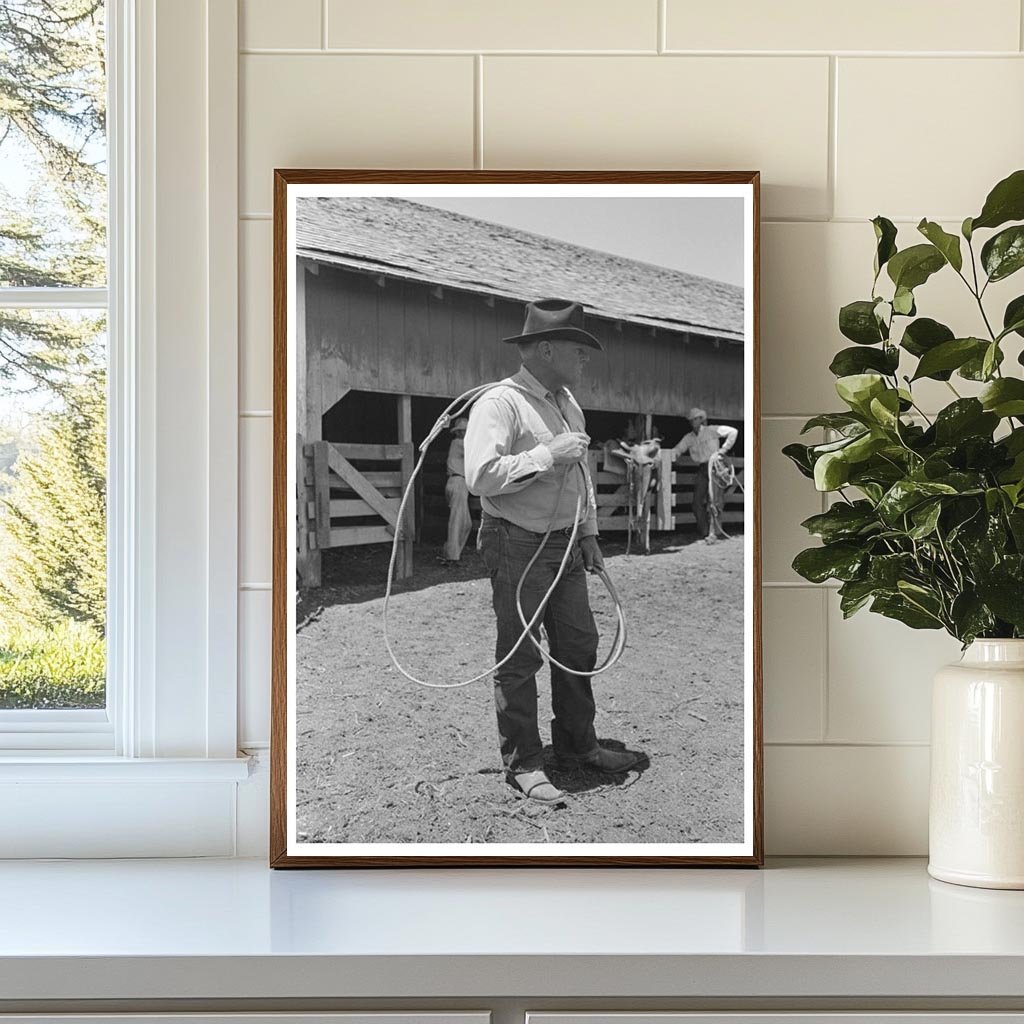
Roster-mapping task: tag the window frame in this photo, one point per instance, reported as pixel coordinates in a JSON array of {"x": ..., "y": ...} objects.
[{"x": 152, "y": 125}]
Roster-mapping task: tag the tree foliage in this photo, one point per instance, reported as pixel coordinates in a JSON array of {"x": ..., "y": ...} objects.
[
  {"x": 928, "y": 522},
  {"x": 53, "y": 520},
  {"x": 53, "y": 125}
]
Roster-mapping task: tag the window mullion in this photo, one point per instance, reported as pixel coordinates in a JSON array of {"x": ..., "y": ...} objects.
[{"x": 53, "y": 298}]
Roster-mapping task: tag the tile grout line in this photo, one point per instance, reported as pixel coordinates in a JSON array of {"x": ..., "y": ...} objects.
[
  {"x": 1020, "y": 25},
  {"x": 478, "y": 111},
  {"x": 832, "y": 147},
  {"x": 662, "y": 28},
  {"x": 854, "y": 744},
  {"x": 323, "y": 24},
  {"x": 257, "y": 51}
]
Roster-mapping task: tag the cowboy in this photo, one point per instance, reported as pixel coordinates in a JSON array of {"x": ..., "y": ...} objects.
[
  {"x": 702, "y": 442},
  {"x": 526, "y": 449},
  {"x": 456, "y": 493}
]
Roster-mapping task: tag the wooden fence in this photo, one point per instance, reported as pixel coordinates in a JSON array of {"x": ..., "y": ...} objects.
[
  {"x": 671, "y": 502},
  {"x": 350, "y": 494}
]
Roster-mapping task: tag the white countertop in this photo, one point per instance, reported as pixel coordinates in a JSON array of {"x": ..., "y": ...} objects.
[{"x": 234, "y": 929}]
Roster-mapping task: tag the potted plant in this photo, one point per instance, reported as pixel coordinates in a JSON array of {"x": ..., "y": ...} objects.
[{"x": 927, "y": 521}]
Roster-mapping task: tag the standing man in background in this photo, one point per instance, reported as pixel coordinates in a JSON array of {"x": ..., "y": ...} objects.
[
  {"x": 702, "y": 443},
  {"x": 460, "y": 523},
  {"x": 525, "y": 447}
]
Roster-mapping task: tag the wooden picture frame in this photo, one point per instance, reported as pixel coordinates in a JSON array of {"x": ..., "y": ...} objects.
[{"x": 328, "y": 269}]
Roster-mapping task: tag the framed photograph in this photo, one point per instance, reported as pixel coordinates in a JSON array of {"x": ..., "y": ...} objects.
[{"x": 516, "y": 544}]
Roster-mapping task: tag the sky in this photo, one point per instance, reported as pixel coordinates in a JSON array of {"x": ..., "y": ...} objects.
[{"x": 697, "y": 235}]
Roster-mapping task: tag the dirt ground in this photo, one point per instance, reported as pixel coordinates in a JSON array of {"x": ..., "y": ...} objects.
[{"x": 383, "y": 760}]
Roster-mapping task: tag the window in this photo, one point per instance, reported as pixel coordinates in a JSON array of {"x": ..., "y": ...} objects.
[{"x": 53, "y": 372}]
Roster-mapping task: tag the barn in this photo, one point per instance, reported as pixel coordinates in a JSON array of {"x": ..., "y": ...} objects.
[{"x": 400, "y": 307}]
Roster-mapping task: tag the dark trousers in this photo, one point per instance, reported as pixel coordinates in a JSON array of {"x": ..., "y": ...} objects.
[
  {"x": 701, "y": 498},
  {"x": 572, "y": 634}
]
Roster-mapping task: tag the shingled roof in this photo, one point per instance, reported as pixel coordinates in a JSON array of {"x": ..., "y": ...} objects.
[{"x": 402, "y": 238}]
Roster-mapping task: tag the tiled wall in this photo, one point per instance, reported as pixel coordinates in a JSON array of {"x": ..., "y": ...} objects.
[{"x": 907, "y": 109}]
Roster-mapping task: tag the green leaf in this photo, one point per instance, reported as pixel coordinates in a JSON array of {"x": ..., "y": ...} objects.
[
  {"x": 912, "y": 267},
  {"x": 831, "y": 471},
  {"x": 991, "y": 360},
  {"x": 885, "y": 410},
  {"x": 854, "y": 594},
  {"x": 1013, "y": 316},
  {"x": 1005, "y": 202},
  {"x": 965, "y": 228},
  {"x": 887, "y": 570},
  {"x": 840, "y": 561},
  {"x": 949, "y": 355},
  {"x": 923, "y": 335},
  {"x": 858, "y": 389},
  {"x": 1004, "y": 397},
  {"x": 832, "y": 420},
  {"x": 925, "y": 518},
  {"x": 970, "y": 617},
  {"x": 843, "y": 521},
  {"x": 1005, "y": 596},
  {"x": 800, "y": 456},
  {"x": 849, "y": 361},
  {"x": 947, "y": 244},
  {"x": 904, "y": 495},
  {"x": 903, "y": 302},
  {"x": 885, "y": 236},
  {"x": 1003, "y": 254},
  {"x": 857, "y": 321},
  {"x": 974, "y": 368},
  {"x": 966, "y": 417}
]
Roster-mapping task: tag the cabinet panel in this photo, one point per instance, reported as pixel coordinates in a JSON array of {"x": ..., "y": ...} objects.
[
  {"x": 788, "y": 1017},
  {"x": 362, "y": 1017}
]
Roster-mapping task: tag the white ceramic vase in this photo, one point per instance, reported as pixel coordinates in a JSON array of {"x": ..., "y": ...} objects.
[{"x": 976, "y": 812}]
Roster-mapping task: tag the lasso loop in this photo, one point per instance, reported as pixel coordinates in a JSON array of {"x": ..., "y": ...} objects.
[{"x": 618, "y": 644}]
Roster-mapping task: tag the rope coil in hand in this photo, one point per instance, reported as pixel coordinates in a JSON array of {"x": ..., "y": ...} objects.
[{"x": 618, "y": 644}]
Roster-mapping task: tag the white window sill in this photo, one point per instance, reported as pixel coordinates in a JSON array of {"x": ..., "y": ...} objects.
[{"x": 77, "y": 766}]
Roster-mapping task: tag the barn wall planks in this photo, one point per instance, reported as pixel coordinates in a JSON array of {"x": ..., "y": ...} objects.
[
  {"x": 401, "y": 337},
  {"x": 799, "y": 110}
]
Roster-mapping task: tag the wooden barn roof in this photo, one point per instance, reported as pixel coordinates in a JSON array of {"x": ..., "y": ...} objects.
[{"x": 402, "y": 238}]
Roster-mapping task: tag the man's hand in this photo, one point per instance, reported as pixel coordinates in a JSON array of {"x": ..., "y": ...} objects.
[
  {"x": 593, "y": 561},
  {"x": 568, "y": 448}
]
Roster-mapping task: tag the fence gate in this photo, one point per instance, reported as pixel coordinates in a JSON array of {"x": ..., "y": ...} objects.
[{"x": 350, "y": 494}]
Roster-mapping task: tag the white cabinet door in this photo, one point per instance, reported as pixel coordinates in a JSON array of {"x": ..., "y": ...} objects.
[
  {"x": 361, "y": 1017},
  {"x": 786, "y": 1017}
]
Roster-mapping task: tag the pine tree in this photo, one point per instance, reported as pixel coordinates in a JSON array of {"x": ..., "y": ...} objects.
[{"x": 53, "y": 520}]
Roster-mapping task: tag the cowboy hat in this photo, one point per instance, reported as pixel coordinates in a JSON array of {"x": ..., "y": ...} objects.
[{"x": 557, "y": 320}]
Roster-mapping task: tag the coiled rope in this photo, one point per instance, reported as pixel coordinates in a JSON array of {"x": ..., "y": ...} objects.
[{"x": 452, "y": 413}]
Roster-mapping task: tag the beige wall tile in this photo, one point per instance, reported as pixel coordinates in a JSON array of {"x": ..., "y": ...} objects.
[
  {"x": 846, "y": 801},
  {"x": 272, "y": 24},
  {"x": 787, "y": 498},
  {"x": 962, "y": 129},
  {"x": 494, "y": 24},
  {"x": 869, "y": 25},
  {"x": 880, "y": 676},
  {"x": 357, "y": 111},
  {"x": 808, "y": 271},
  {"x": 254, "y": 666},
  {"x": 256, "y": 301},
  {"x": 690, "y": 113},
  {"x": 794, "y": 663},
  {"x": 254, "y": 506}
]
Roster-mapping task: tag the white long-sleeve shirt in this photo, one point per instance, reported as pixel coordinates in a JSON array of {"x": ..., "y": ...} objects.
[
  {"x": 703, "y": 445},
  {"x": 509, "y": 466}
]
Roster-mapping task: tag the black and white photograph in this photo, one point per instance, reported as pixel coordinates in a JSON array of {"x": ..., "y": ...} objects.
[{"x": 516, "y": 538}]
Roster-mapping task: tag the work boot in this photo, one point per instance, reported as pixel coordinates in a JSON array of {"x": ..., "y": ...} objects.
[{"x": 603, "y": 760}]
